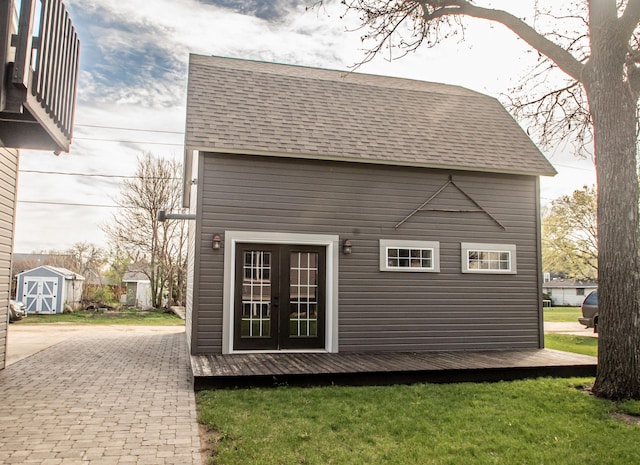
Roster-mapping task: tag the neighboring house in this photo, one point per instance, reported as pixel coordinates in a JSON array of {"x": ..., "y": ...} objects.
[
  {"x": 344, "y": 212},
  {"x": 568, "y": 292},
  {"x": 47, "y": 289},
  {"x": 37, "y": 102},
  {"x": 138, "y": 288},
  {"x": 26, "y": 261}
]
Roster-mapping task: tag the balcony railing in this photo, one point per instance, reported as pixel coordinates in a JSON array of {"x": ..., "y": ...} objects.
[{"x": 37, "y": 99}]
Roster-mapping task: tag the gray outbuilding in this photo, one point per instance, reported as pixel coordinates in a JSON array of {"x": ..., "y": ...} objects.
[
  {"x": 46, "y": 289},
  {"x": 345, "y": 212},
  {"x": 138, "y": 287}
]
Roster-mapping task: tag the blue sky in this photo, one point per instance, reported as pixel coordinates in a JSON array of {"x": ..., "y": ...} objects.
[{"x": 133, "y": 75}]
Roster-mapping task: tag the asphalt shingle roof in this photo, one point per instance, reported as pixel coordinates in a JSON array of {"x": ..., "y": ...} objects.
[{"x": 242, "y": 106}]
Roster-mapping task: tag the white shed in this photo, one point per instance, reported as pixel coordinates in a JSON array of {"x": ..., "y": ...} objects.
[
  {"x": 138, "y": 289},
  {"x": 46, "y": 289}
]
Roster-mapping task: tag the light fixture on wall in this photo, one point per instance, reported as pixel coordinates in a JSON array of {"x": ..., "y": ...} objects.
[
  {"x": 215, "y": 244},
  {"x": 346, "y": 247}
]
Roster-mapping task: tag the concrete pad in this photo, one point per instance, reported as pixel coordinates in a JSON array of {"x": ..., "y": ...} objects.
[
  {"x": 570, "y": 328},
  {"x": 26, "y": 340}
]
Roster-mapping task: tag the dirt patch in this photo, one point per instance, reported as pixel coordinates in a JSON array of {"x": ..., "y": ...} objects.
[
  {"x": 208, "y": 441},
  {"x": 626, "y": 418}
]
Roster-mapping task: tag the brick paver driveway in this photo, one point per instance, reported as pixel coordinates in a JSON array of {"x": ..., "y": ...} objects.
[{"x": 101, "y": 398}]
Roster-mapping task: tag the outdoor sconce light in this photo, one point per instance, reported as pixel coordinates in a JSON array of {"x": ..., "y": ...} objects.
[
  {"x": 346, "y": 247},
  {"x": 216, "y": 242}
]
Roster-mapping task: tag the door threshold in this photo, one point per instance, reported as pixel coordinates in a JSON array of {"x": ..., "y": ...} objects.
[{"x": 282, "y": 351}]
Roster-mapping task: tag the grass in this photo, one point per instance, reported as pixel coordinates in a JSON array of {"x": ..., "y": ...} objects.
[
  {"x": 562, "y": 314},
  {"x": 543, "y": 421},
  {"x": 125, "y": 317},
  {"x": 577, "y": 344}
]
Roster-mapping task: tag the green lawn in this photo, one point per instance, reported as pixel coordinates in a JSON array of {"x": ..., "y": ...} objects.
[
  {"x": 562, "y": 314},
  {"x": 125, "y": 317},
  {"x": 543, "y": 421},
  {"x": 576, "y": 344}
]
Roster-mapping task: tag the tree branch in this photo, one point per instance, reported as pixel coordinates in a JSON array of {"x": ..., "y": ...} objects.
[
  {"x": 629, "y": 19},
  {"x": 566, "y": 61}
]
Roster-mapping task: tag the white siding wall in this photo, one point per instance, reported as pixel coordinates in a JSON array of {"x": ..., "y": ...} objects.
[
  {"x": 8, "y": 183},
  {"x": 567, "y": 296}
]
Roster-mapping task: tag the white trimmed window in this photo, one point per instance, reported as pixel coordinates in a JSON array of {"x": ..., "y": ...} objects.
[
  {"x": 488, "y": 258},
  {"x": 411, "y": 256}
]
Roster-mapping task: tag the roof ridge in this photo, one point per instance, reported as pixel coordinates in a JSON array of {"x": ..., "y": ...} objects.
[{"x": 329, "y": 74}]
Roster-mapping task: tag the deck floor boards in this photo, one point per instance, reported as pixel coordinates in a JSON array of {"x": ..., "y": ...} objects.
[{"x": 216, "y": 370}]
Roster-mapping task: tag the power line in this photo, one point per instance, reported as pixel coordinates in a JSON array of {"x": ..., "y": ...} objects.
[
  {"x": 127, "y": 141},
  {"x": 160, "y": 131},
  {"x": 573, "y": 167},
  {"x": 42, "y": 202},
  {"x": 72, "y": 204},
  {"x": 96, "y": 175}
]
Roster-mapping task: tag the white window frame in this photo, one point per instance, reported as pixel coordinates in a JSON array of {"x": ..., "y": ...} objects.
[
  {"x": 331, "y": 242},
  {"x": 466, "y": 247},
  {"x": 386, "y": 244}
]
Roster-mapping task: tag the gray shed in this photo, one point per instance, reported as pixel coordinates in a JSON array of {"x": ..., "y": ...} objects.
[
  {"x": 46, "y": 289},
  {"x": 345, "y": 212},
  {"x": 138, "y": 288}
]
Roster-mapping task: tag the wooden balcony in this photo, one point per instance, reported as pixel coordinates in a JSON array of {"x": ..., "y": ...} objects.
[{"x": 38, "y": 76}]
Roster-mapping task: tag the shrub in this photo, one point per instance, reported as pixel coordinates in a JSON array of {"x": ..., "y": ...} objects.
[{"x": 101, "y": 295}]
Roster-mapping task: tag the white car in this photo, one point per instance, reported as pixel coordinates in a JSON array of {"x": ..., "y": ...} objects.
[{"x": 17, "y": 310}]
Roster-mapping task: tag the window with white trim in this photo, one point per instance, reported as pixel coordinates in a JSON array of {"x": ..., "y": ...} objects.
[
  {"x": 409, "y": 256},
  {"x": 488, "y": 258}
]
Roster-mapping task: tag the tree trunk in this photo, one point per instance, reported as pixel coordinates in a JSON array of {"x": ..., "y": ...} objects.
[{"x": 613, "y": 109}]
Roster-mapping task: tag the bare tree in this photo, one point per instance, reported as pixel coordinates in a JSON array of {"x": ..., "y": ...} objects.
[
  {"x": 86, "y": 259},
  {"x": 137, "y": 231},
  {"x": 595, "y": 44}
]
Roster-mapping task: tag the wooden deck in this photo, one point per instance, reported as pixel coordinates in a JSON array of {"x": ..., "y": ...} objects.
[{"x": 216, "y": 371}]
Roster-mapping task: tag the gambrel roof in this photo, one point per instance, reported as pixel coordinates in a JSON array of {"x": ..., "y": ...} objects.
[{"x": 252, "y": 107}]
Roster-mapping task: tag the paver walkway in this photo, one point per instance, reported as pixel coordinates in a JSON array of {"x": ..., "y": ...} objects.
[{"x": 102, "y": 398}]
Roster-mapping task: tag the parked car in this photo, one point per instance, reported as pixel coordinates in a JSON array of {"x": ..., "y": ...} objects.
[
  {"x": 590, "y": 311},
  {"x": 17, "y": 310}
]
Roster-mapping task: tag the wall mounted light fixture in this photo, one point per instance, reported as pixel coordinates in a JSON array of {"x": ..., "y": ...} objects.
[
  {"x": 346, "y": 247},
  {"x": 215, "y": 243}
]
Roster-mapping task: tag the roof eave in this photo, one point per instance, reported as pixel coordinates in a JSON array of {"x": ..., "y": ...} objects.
[{"x": 191, "y": 149}]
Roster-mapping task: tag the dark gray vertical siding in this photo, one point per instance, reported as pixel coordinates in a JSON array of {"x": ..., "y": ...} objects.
[
  {"x": 8, "y": 178},
  {"x": 382, "y": 310}
]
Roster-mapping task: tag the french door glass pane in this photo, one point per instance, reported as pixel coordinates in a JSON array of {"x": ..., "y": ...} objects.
[
  {"x": 303, "y": 294},
  {"x": 256, "y": 294}
]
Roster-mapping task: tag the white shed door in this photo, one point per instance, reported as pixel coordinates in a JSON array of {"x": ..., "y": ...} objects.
[{"x": 40, "y": 295}]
